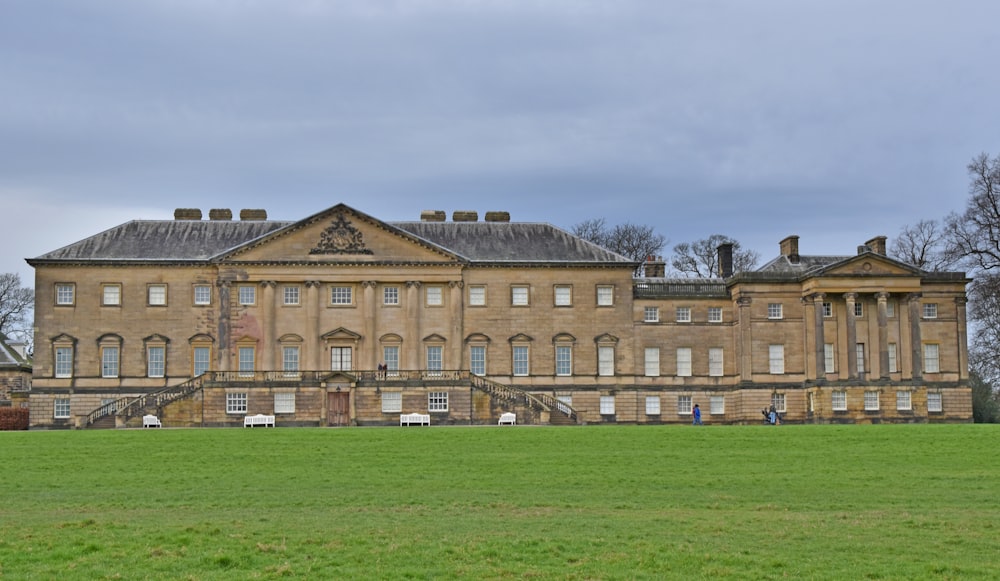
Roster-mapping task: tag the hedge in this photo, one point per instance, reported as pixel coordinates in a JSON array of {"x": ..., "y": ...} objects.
[{"x": 13, "y": 418}]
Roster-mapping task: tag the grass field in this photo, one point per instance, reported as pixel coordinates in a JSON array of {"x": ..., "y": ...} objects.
[{"x": 622, "y": 502}]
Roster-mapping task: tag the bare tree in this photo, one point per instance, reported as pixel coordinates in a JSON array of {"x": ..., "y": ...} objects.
[
  {"x": 700, "y": 259},
  {"x": 923, "y": 245},
  {"x": 974, "y": 235},
  {"x": 634, "y": 241},
  {"x": 16, "y": 303}
]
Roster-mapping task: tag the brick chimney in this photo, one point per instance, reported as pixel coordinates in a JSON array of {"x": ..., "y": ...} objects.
[
  {"x": 187, "y": 214},
  {"x": 725, "y": 257},
  {"x": 790, "y": 248},
  {"x": 877, "y": 245},
  {"x": 654, "y": 267},
  {"x": 465, "y": 216}
]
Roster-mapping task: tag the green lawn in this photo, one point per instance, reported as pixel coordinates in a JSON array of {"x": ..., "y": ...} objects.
[{"x": 615, "y": 502}]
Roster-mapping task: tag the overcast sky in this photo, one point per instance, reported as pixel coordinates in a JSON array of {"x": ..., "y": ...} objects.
[{"x": 834, "y": 120}]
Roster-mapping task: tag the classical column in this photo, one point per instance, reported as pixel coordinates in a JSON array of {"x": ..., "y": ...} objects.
[
  {"x": 963, "y": 345},
  {"x": 916, "y": 357},
  {"x": 413, "y": 309},
  {"x": 820, "y": 342},
  {"x": 313, "y": 303},
  {"x": 852, "y": 336},
  {"x": 455, "y": 311},
  {"x": 369, "y": 340},
  {"x": 746, "y": 339},
  {"x": 223, "y": 355},
  {"x": 883, "y": 334},
  {"x": 267, "y": 311}
]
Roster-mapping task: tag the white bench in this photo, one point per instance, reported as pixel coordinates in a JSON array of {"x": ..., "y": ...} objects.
[
  {"x": 258, "y": 420},
  {"x": 418, "y": 419},
  {"x": 508, "y": 419},
  {"x": 151, "y": 421}
]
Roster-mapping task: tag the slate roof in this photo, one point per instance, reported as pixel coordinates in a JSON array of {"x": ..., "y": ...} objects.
[
  {"x": 510, "y": 242},
  {"x": 201, "y": 240},
  {"x": 164, "y": 240},
  {"x": 9, "y": 358},
  {"x": 781, "y": 264}
]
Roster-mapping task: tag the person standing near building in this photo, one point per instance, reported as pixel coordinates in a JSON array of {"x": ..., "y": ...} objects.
[{"x": 696, "y": 412}]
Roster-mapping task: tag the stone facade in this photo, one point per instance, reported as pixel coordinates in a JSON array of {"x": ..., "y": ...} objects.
[
  {"x": 15, "y": 370},
  {"x": 295, "y": 318}
]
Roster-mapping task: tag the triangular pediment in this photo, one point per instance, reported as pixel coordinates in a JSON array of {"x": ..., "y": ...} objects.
[
  {"x": 340, "y": 235},
  {"x": 868, "y": 264},
  {"x": 341, "y": 334}
]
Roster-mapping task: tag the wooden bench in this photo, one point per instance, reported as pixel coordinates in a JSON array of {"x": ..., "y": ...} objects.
[
  {"x": 507, "y": 419},
  {"x": 151, "y": 421},
  {"x": 258, "y": 420},
  {"x": 418, "y": 419}
]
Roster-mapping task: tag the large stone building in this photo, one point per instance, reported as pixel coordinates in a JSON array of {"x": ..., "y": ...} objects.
[
  {"x": 15, "y": 369},
  {"x": 203, "y": 322}
]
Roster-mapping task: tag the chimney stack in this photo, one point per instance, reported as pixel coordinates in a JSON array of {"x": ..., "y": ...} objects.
[
  {"x": 253, "y": 214},
  {"x": 790, "y": 249},
  {"x": 498, "y": 216},
  {"x": 725, "y": 254},
  {"x": 433, "y": 216},
  {"x": 654, "y": 267},
  {"x": 220, "y": 214},
  {"x": 465, "y": 216},
  {"x": 877, "y": 245},
  {"x": 187, "y": 214}
]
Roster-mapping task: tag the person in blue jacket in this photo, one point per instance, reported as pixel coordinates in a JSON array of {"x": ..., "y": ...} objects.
[{"x": 696, "y": 412}]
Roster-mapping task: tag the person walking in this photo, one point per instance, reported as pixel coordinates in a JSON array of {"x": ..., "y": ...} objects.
[{"x": 696, "y": 412}]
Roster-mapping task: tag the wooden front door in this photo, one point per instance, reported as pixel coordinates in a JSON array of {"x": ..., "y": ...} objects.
[{"x": 338, "y": 412}]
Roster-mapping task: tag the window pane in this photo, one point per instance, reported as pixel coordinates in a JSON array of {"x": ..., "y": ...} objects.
[
  {"x": 290, "y": 360},
  {"x": 390, "y": 295},
  {"x": 390, "y": 354},
  {"x": 684, "y": 362},
  {"x": 434, "y": 363},
  {"x": 477, "y": 360},
  {"x": 477, "y": 295},
  {"x": 606, "y": 361},
  {"x": 839, "y": 400},
  {"x": 776, "y": 359},
  {"x": 157, "y": 294},
  {"x": 903, "y": 401},
  {"x": 246, "y": 362},
  {"x": 871, "y": 400},
  {"x": 64, "y": 361},
  {"x": 717, "y": 404},
  {"x": 392, "y": 402},
  {"x": 284, "y": 403},
  {"x": 715, "y": 362},
  {"x": 934, "y": 402},
  {"x": 828, "y": 357},
  {"x": 437, "y": 401},
  {"x": 931, "y": 363},
  {"x": 652, "y": 362},
  {"x": 564, "y": 297},
  {"x": 340, "y": 358},
  {"x": 236, "y": 403},
  {"x": 62, "y": 409},
  {"x": 109, "y": 362},
  {"x": 340, "y": 295},
  {"x": 155, "y": 363},
  {"x": 684, "y": 405},
  {"x": 64, "y": 294},
  {"x": 774, "y": 310},
  {"x": 651, "y": 314},
  {"x": 652, "y": 405},
  {"x": 112, "y": 295},
  {"x": 605, "y": 296},
  {"x": 202, "y": 294},
  {"x": 860, "y": 349},
  {"x": 714, "y": 314},
  {"x": 290, "y": 295},
  {"x": 521, "y": 361},
  {"x": 893, "y": 365},
  {"x": 519, "y": 296},
  {"x": 607, "y": 405},
  {"x": 201, "y": 361},
  {"x": 434, "y": 296},
  {"x": 564, "y": 360},
  {"x": 683, "y": 314}
]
